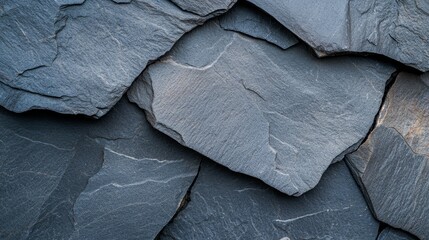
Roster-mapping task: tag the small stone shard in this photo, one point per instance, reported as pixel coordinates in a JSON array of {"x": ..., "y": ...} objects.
[
  {"x": 282, "y": 116},
  {"x": 204, "y": 7},
  {"x": 247, "y": 19},
  {"x": 392, "y": 165},
  {"x": 228, "y": 205}
]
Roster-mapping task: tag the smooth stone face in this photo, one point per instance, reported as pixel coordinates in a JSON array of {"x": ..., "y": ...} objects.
[
  {"x": 228, "y": 205},
  {"x": 392, "y": 165},
  {"x": 282, "y": 116},
  {"x": 49, "y": 165},
  {"x": 61, "y": 56},
  {"x": 247, "y": 19},
  {"x": 395, "y": 29},
  {"x": 394, "y": 234}
]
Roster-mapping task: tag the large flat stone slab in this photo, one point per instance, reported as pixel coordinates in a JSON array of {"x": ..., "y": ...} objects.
[
  {"x": 282, "y": 116},
  {"x": 79, "y": 57},
  {"x": 392, "y": 165},
  {"x": 396, "y": 29},
  {"x": 228, "y": 205},
  {"x": 65, "y": 177}
]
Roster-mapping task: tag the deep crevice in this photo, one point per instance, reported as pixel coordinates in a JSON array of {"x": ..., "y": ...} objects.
[
  {"x": 355, "y": 172},
  {"x": 387, "y": 88},
  {"x": 184, "y": 203}
]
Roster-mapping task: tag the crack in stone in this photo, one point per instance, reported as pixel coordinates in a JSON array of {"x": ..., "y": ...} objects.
[{"x": 311, "y": 214}]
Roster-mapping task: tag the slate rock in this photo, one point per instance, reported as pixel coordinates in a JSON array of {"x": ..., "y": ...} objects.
[
  {"x": 394, "y": 234},
  {"x": 249, "y": 20},
  {"x": 392, "y": 165},
  {"x": 127, "y": 197},
  {"x": 79, "y": 57},
  {"x": 282, "y": 116},
  {"x": 395, "y": 29},
  {"x": 204, "y": 7},
  {"x": 49, "y": 163},
  {"x": 228, "y": 205}
]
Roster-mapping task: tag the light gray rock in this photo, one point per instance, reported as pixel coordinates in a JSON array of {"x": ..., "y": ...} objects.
[
  {"x": 392, "y": 165},
  {"x": 279, "y": 115},
  {"x": 247, "y": 19},
  {"x": 396, "y": 29},
  {"x": 79, "y": 57},
  {"x": 394, "y": 234},
  {"x": 49, "y": 165},
  {"x": 228, "y": 205}
]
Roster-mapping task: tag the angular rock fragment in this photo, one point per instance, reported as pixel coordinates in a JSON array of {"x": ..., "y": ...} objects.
[
  {"x": 279, "y": 115},
  {"x": 247, "y": 19},
  {"x": 396, "y": 29},
  {"x": 227, "y": 205},
  {"x": 392, "y": 165},
  {"x": 79, "y": 57},
  {"x": 131, "y": 197},
  {"x": 204, "y": 7},
  {"x": 50, "y": 163},
  {"x": 394, "y": 234}
]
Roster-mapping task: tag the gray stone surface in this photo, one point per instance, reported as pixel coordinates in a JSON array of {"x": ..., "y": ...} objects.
[
  {"x": 392, "y": 165},
  {"x": 50, "y": 164},
  {"x": 228, "y": 205},
  {"x": 79, "y": 57},
  {"x": 204, "y": 7},
  {"x": 396, "y": 29},
  {"x": 247, "y": 19},
  {"x": 279, "y": 115},
  {"x": 394, "y": 234}
]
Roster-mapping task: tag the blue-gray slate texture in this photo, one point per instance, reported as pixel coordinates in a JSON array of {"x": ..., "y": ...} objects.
[
  {"x": 228, "y": 205},
  {"x": 396, "y": 29},
  {"x": 214, "y": 119},
  {"x": 392, "y": 166},
  {"x": 282, "y": 116},
  {"x": 79, "y": 57},
  {"x": 75, "y": 178}
]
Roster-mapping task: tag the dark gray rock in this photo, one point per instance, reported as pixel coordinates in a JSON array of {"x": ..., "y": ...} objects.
[
  {"x": 204, "y": 7},
  {"x": 228, "y": 205},
  {"x": 50, "y": 163},
  {"x": 131, "y": 197},
  {"x": 392, "y": 165},
  {"x": 395, "y": 29},
  {"x": 394, "y": 234},
  {"x": 282, "y": 116},
  {"x": 247, "y": 19},
  {"x": 79, "y": 57}
]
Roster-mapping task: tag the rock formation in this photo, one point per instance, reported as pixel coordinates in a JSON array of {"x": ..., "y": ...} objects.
[
  {"x": 396, "y": 29},
  {"x": 79, "y": 57},
  {"x": 241, "y": 115},
  {"x": 73, "y": 178},
  {"x": 279, "y": 115},
  {"x": 392, "y": 166}
]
